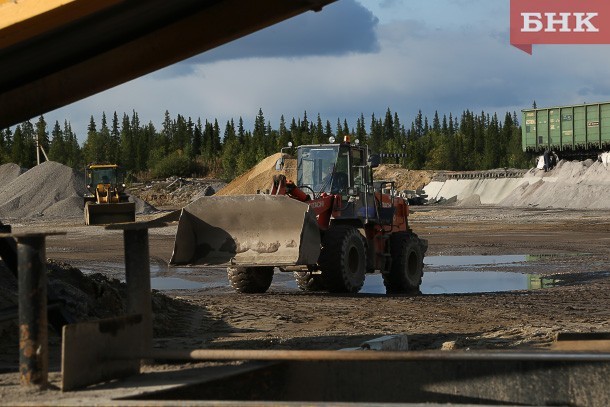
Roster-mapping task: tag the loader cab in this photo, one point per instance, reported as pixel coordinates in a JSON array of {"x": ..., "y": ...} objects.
[
  {"x": 331, "y": 168},
  {"x": 104, "y": 175}
]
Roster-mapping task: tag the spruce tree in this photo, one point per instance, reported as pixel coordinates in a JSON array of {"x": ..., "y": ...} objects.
[
  {"x": 361, "y": 130},
  {"x": 318, "y": 134},
  {"x": 29, "y": 144},
  {"x": 197, "y": 138},
  {"x": 340, "y": 133},
  {"x": 376, "y": 135},
  {"x": 18, "y": 153},
  {"x": 114, "y": 148},
  {"x": 388, "y": 127},
  {"x": 42, "y": 135},
  {"x": 230, "y": 152},
  {"x": 57, "y": 150},
  {"x": 74, "y": 151},
  {"x": 127, "y": 145},
  {"x": 6, "y": 141},
  {"x": 283, "y": 134},
  {"x": 328, "y": 131},
  {"x": 91, "y": 146},
  {"x": 436, "y": 124},
  {"x": 105, "y": 140}
]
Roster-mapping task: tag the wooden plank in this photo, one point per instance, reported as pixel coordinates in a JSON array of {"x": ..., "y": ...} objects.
[
  {"x": 582, "y": 341},
  {"x": 25, "y": 19},
  {"x": 98, "y": 351}
]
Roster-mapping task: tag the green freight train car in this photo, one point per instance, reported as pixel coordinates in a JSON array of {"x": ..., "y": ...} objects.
[{"x": 577, "y": 130}]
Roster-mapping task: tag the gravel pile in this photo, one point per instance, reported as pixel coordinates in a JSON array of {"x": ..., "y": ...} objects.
[
  {"x": 571, "y": 184},
  {"x": 176, "y": 192},
  {"x": 8, "y": 172},
  {"x": 50, "y": 189},
  {"x": 40, "y": 189}
]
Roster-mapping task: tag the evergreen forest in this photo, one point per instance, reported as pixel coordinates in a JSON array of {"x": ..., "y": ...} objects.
[{"x": 185, "y": 147}]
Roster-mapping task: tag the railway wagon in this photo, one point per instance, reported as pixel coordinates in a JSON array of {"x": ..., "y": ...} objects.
[{"x": 576, "y": 130}]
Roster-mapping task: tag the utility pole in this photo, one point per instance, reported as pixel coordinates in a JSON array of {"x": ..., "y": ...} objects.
[{"x": 39, "y": 148}]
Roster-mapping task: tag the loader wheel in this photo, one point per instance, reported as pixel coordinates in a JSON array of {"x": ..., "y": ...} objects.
[
  {"x": 343, "y": 259},
  {"x": 307, "y": 281},
  {"x": 250, "y": 280},
  {"x": 407, "y": 264}
]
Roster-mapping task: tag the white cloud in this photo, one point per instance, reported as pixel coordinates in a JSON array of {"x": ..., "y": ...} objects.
[{"x": 416, "y": 67}]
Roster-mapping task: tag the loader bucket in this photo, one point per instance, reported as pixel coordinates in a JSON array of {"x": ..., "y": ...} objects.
[
  {"x": 247, "y": 230},
  {"x": 102, "y": 214}
]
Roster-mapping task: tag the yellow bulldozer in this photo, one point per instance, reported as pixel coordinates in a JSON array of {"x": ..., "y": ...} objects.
[{"x": 107, "y": 201}]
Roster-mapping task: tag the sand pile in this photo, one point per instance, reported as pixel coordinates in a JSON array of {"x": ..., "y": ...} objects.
[
  {"x": 260, "y": 177},
  {"x": 50, "y": 189},
  {"x": 405, "y": 179}
]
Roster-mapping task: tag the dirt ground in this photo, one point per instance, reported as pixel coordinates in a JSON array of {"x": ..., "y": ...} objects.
[{"x": 572, "y": 249}]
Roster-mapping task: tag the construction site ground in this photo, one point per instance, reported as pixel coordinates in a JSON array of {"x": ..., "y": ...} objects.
[{"x": 572, "y": 249}]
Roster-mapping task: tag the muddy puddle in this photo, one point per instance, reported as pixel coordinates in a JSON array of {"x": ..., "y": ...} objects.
[
  {"x": 464, "y": 282},
  {"x": 442, "y": 275}
]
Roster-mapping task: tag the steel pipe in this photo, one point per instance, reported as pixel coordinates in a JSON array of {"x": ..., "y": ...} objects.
[{"x": 333, "y": 355}]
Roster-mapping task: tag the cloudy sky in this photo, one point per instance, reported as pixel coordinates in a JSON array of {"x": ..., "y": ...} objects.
[{"x": 363, "y": 56}]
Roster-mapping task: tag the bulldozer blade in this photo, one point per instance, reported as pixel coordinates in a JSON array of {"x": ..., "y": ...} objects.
[
  {"x": 247, "y": 230},
  {"x": 103, "y": 214}
]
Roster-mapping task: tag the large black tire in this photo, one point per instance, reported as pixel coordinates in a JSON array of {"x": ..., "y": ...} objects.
[
  {"x": 307, "y": 281},
  {"x": 250, "y": 280},
  {"x": 407, "y": 269},
  {"x": 343, "y": 259}
]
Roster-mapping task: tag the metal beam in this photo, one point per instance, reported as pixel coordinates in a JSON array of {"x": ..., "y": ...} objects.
[
  {"x": 490, "y": 378},
  {"x": 95, "y": 49}
]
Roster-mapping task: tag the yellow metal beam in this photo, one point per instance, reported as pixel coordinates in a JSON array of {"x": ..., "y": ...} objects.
[
  {"x": 24, "y": 19},
  {"x": 75, "y": 50}
]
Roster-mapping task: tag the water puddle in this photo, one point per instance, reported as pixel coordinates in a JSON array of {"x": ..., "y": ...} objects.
[
  {"x": 448, "y": 261},
  {"x": 463, "y": 282},
  {"x": 174, "y": 283},
  {"x": 442, "y": 275}
]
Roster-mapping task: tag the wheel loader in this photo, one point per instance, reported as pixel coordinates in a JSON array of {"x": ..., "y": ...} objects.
[
  {"x": 330, "y": 227},
  {"x": 107, "y": 201}
]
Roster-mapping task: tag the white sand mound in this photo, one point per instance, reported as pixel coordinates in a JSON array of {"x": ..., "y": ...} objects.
[{"x": 572, "y": 184}]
